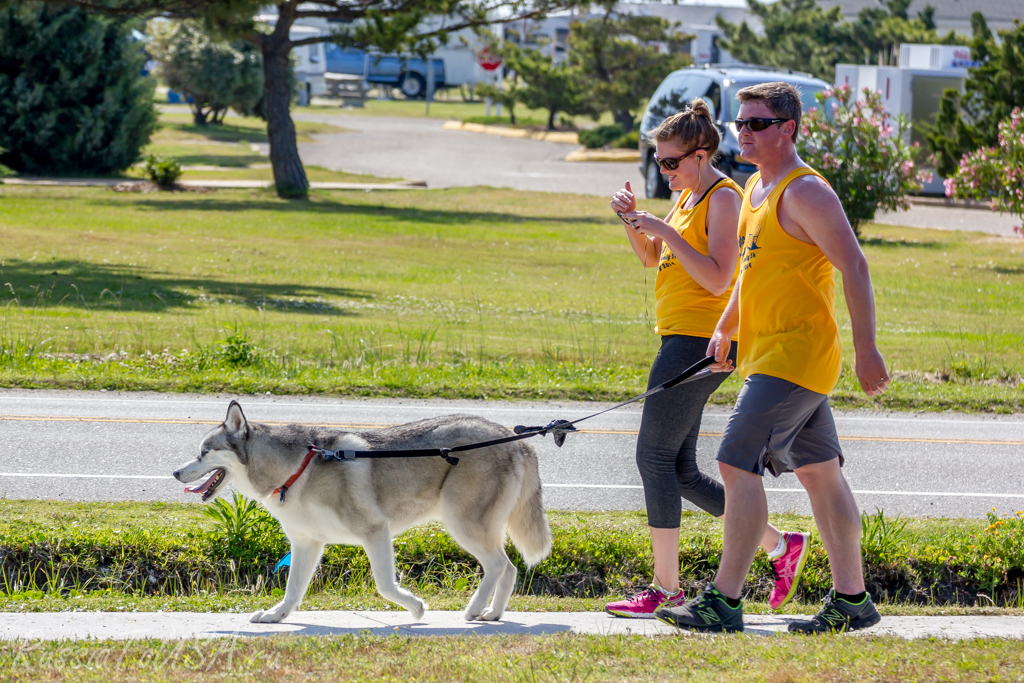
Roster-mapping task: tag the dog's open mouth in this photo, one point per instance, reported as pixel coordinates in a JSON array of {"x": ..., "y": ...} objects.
[{"x": 209, "y": 487}]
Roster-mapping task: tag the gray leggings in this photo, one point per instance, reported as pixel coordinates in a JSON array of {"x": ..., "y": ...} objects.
[{"x": 666, "y": 450}]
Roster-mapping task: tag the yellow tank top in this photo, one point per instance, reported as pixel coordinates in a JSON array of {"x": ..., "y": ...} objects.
[
  {"x": 681, "y": 304},
  {"x": 787, "y": 299}
]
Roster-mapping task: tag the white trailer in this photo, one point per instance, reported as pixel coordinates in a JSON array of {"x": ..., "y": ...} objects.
[{"x": 915, "y": 87}]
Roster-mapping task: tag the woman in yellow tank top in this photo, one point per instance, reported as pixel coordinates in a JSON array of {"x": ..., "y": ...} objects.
[{"x": 696, "y": 252}]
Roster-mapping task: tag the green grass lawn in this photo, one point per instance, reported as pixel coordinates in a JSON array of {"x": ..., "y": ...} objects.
[
  {"x": 460, "y": 292},
  {"x": 454, "y": 108},
  {"x": 560, "y": 658}
]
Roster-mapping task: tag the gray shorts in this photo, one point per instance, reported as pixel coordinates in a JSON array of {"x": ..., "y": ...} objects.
[{"x": 779, "y": 426}]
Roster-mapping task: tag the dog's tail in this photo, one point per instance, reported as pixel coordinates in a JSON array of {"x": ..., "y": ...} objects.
[{"x": 528, "y": 526}]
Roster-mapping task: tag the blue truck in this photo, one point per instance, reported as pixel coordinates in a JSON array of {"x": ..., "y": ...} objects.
[{"x": 408, "y": 73}]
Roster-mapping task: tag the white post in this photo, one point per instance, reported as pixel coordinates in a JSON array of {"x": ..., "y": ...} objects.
[
  {"x": 500, "y": 72},
  {"x": 487, "y": 100},
  {"x": 430, "y": 81}
]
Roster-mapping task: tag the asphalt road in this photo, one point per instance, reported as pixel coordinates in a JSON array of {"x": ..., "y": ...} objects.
[
  {"x": 108, "y": 446},
  {"x": 422, "y": 149}
]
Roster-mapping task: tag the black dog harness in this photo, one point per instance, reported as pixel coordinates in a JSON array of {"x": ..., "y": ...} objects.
[{"x": 557, "y": 428}]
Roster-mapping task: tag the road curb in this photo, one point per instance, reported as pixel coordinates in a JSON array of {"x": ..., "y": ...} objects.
[
  {"x": 192, "y": 625},
  {"x": 544, "y": 136},
  {"x": 619, "y": 155}
]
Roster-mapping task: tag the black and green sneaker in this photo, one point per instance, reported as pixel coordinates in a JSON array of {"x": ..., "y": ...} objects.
[
  {"x": 708, "y": 612},
  {"x": 838, "y": 615}
]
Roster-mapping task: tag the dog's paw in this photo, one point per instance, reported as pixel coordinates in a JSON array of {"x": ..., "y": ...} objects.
[
  {"x": 268, "y": 616},
  {"x": 490, "y": 615},
  {"x": 419, "y": 610}
]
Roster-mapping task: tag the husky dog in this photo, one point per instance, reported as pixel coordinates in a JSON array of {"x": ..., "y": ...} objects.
[{"x": 368, "y": 502}]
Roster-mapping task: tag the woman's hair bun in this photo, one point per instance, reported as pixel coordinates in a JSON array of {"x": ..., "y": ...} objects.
[
  {"x": 694, "y": 127},
  {"x": 700, "y": 108}
]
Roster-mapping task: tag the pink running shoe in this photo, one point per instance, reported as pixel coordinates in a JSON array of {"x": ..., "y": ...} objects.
[
  {"x": 644, "y": 605},
  {"x": 787, "y": 569}
]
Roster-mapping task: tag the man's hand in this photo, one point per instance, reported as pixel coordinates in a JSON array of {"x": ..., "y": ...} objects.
[
  {"x": 874, "y": 379},
  {"x": 719, "y": 347}
]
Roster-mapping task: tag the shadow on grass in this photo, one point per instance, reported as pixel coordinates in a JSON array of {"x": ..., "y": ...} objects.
[
  {"x": 91, "y": 286},
  {"x": 223, "y": 132},
  {"x": 329, "y": 205},
  {"x": 875, "y": 241},
  {"x": 1009, "y": 270},
  {"x": 236, "y": 161}
]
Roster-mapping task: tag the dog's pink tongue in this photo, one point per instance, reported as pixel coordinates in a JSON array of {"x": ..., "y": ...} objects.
[{"x": 202, "y": 487}]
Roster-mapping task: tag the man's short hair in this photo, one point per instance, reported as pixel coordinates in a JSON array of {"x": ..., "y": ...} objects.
[{"x": 782, "y": 100}]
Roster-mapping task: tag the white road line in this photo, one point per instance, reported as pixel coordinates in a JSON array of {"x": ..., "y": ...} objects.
[
  {"x": 29, "y": 475},
  {"x": 435, "y": 408},
  {"x": 777, "y": 490}
]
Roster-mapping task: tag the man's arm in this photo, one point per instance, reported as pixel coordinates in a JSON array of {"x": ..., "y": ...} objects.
[{"x": 811, "y": 212}]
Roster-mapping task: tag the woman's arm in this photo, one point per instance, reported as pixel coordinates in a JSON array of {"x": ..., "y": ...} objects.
[{"x": 713, "y": 272}]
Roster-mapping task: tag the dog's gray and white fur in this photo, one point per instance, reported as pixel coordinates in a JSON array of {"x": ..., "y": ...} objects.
[{"x": 368, "y": 502}]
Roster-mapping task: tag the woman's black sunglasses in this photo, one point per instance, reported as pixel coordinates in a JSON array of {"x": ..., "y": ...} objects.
[
  {"x": 757, "y": 125},
  {"x": 672, "y": 163}
]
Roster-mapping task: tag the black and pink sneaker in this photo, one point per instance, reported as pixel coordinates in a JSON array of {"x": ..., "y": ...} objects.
[{"x": 788, "y": 568}]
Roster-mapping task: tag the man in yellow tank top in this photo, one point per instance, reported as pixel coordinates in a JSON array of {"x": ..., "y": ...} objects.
[{"x": 793, "y": 231}]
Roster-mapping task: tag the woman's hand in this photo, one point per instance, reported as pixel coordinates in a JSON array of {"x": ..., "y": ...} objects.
[
  {"x": 624, "y": 201},
  {"x": 648, "y": 224}
]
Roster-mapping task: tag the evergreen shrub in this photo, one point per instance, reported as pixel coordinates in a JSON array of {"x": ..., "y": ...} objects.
[
  {"x": 73, "y": 97},
  {"x": 164, "y": 171}
]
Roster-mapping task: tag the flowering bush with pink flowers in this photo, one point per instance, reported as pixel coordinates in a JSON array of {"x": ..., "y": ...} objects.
[
  {"x": 861, "y": 151},
  {"x": 995, "y": 174}
]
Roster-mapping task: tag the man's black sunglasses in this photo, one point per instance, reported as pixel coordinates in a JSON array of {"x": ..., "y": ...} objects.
[
  {"x": 672, "y": 163},
  {"x": 757, "y": 125}
]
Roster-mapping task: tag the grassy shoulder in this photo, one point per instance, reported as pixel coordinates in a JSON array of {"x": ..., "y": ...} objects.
[
  {"x": 473, "y": 292},
  {"x": 520, "y": 658},
  {"x": 450, "y": 106},
  {"x": 225, "y": 151},
  {"x": 58, "y": 556}
]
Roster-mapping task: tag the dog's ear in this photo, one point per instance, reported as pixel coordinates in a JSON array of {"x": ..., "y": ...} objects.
[{"x": 235, "y": 423}]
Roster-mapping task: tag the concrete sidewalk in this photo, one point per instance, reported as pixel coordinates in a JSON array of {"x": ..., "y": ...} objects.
[{"x": 182, "y": 625}]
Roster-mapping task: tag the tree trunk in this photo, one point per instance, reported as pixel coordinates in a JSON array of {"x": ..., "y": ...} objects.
[
  {"x": 551, "y": 118},
  {"x": 198, "y": 115},
  {"x": 289, "y": 175},
  {"x": 624, "y": 118}
]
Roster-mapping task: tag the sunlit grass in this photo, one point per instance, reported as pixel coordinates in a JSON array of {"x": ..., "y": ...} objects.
[
  {"x": 562, "y": 657},
  {"x": 471, "y": 292}
]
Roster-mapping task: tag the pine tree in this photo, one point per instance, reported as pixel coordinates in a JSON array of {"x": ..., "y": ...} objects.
[
  {"x": 214, "y": 75},
  {"x": 968, "y": 121},
  {"x": 546, "y": 85},
  {"x": 73, "y": 98},
  {"x": 620, "y": 57},
  {"x": 802, "y": 36}
]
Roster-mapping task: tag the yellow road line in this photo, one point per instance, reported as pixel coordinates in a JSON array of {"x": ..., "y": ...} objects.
[{"x": 347, "y": 425}]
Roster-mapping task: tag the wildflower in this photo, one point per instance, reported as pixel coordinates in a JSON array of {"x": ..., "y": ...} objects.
[{"x": 950, "y": 185}]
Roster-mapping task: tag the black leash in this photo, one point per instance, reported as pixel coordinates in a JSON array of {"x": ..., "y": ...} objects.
[{"x": 557, "y": 428}]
